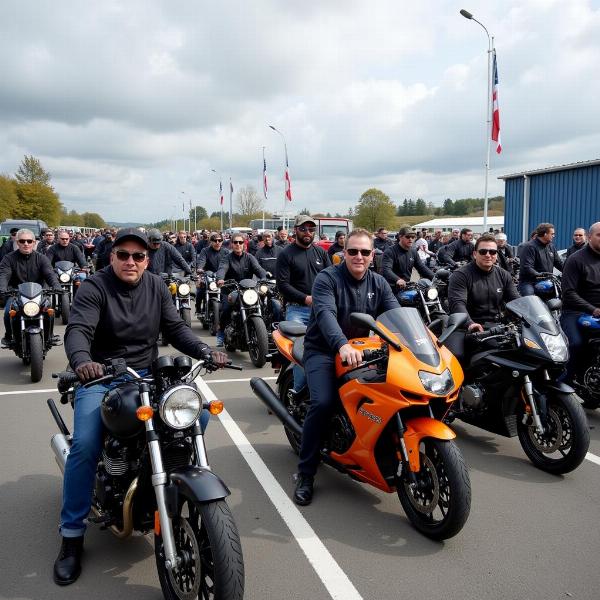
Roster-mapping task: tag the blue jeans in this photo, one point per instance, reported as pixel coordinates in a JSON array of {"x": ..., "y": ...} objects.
[
  {"x": 80, "y": 470},
  {"x": 300, "y": 314},
  {"x": 568, "y": 323}
]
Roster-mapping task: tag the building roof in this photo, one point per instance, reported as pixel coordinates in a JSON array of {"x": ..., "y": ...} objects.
[
  {"x": 576, "y": 165},
  {"x": 448, "y": 222}
]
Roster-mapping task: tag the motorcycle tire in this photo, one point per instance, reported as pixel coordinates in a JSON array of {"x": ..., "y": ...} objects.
[
  {"x": 65, "y": 309},
  {"x": 186, "y": 315},
  {"x": 563, "y": 447},
  {"x": 287, "y": 384},
  {"x": 215, "y": 308},
  {"x": 440, "y": 505},
  {"x": 207, "y": 540},
  {"x": 258, "y": 341},
  {"x": 36, "y": 354}
]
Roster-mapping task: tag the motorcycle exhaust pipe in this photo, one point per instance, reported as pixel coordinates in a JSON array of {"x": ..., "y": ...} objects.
[
  {"x": 61, "y": 447},
  {"x": 262, "y": 389}
]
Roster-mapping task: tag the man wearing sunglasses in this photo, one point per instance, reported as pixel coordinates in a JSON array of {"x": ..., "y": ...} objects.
[
  {"x": 297, "y": 267},
  {"x": 481, "y": 289},
  {"x": 64, "y": 249},
  {"x": 163, "y": 255},
  {"x": 118, "y": 313},
  {"x": 399, "y": 260},
  {"x": 185, "y": 248},
  {"x": 24, "y": 265},
  {"x": 337, "y": 292},
  {"x": 458, "y": 250},
  {"x": 208, "y": 260}
]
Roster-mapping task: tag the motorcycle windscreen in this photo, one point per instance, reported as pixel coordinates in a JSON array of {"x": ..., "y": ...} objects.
[
  {"x": 406, "y": 323},
  {"x": 533, "y": 310},
  {"x": 30, "y": 290},
  {"x": 64, "y": 265}
]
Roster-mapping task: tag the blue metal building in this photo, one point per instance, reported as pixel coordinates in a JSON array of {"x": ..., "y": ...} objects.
[{"x": 567, "y": 196}]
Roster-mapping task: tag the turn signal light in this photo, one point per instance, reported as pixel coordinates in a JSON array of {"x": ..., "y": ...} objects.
[
  {"x": 156, "y": 523},
  {"x": 144, "y": 413},
  {"x": 215, "y": 407},
  {"x": 12, "y": 313},
  {"x": 50, "y": 312}
]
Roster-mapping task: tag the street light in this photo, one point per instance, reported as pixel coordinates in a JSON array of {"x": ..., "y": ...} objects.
[
  {"x": 467, "y": 15},
  {"x": 287, "y": 175}
]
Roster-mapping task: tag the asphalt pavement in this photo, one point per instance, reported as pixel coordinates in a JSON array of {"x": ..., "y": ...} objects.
[{"x": 530, "y": 535}]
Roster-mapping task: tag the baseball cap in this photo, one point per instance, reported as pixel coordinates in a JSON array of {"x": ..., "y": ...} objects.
[
  {"x": 301, "y": 219},
  {"x": 131, "y": 233}
]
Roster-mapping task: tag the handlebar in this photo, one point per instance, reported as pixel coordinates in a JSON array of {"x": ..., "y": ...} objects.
[{"x": 480, "y": 336}]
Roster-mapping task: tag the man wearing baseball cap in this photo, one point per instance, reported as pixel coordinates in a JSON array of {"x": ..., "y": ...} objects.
[{"x": 117, "y": 313}]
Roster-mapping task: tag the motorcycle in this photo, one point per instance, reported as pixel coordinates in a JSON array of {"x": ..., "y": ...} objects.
[
  {"x": 587, "y": 376},
  {"x": 440, "y": 282},
  {"x": 424, "y": 296},
  {"x": 70, "y": 280},
  {"x": 511, "y": 386},
  {"x": 182, "y": 293},
  {"x": 548, "y": 287},
  {"x": 154, "y": 475},
  {"x": 387, "y": 430},
  {"x": 209, "y": 315},
  {"x": 270, "y": 304},
  {"x": 246, "y": 330},
  {"x": 32, "y": 325}
]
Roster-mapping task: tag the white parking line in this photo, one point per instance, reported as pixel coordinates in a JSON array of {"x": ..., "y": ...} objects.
[
  {"x": 593, "y": 458},
  {"x": 329, "y": 572}
]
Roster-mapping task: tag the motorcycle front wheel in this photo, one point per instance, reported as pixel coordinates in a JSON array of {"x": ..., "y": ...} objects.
[
  {"x": 258, "y": 341},
  {"x": 208, "y": 543},
  {"x": 186, "y": 315},
  {"x": 566, "y": 438},
  {"x": 439, "y": 505},
  {"x": 214, "y": 323},
  {"x": 65, "y": 309},
  {"x": 36, "y": 357}
]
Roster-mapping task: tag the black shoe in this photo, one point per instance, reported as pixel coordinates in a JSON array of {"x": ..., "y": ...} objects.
[
  {"x": 67, "y": 566},
  {"x": 304, "y": 489},
  {"x": 6, "y": 342}
]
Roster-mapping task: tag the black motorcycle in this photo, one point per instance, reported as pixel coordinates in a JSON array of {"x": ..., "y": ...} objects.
[
  {"x": 511, "y": 386},
  {"x": 181, "y": 291},
  {"x": 154, "y": 475},
  {"x": 424, "y": 296},
  {"x": 440, "y": 282},
  {"x": 210, "y": 305},
  {"x": 587, "y": 375},
  {"x": 70, "y": 279},
  {"x": 32, "y": 325},
  {"x": 548, "y": 287},
  {"x": 247, "y": 330}
]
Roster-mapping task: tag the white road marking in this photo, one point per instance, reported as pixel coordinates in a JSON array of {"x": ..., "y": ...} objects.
[
  {"x": 593, "y": 458},
  {"x": 329, "y": 572}
]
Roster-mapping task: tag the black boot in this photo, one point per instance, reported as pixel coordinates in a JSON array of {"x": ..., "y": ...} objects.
[
  {"x": 67, "y": 566},
  {"x": 304, "y": 489}
]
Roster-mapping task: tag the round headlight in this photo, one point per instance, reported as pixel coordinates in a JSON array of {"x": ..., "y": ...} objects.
[
  {"x": 432, "y": 294},
  {"x": 180, "y": 407},
  {"x": 64, "y": 278},
  {"x": 31, "y": 309},
  {"x": 263, "y": 289},
  {"x": 250, "y": 297},
  {"x": 212, "y": 286},
  {"x": 184, "y": 289}
]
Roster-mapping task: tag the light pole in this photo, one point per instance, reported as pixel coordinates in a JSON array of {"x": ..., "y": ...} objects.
[
  {"x": 288, "y": 190},
  {"x": 467, "y": 15},
  {"x": 220, "y": 194},
  {"x": 183, "y": 210}
]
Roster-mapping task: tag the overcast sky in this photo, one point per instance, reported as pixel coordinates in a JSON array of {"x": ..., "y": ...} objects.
[{"x": 130, "y": 103}]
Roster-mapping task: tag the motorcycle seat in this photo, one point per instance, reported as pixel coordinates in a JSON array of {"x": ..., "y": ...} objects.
[
  {"x": 292, "y": 329},
  {"x": 298, "y": 350}
]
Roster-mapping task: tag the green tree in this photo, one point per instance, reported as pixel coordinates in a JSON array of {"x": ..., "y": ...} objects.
[
  {"x": 420, "y": 207},
  {"x": 31, "y": 171},
  {"x": 9, "y": 201},
  {"x": 447, "y": 207},
  {"x": 304, "y": 211},
  {"x": 374, "y": 209},
  {"x": 38, "y": 201},
  {"x": 93, "y": 220},
  {"x": 198, "y": 213}
]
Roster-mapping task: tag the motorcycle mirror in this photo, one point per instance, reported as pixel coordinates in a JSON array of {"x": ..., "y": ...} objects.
[
  {"x": 554, "y": 304},
  {"x": 367, "y": 321},
  {"x": 455, "y": 320}
]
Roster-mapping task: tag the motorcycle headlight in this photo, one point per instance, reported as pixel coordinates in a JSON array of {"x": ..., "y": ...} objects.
[
  {"x": 184, "y": 289},
  {"x": 64, "y": 278},
  {"x": 212, "y": 286},
  {"x": 250, "y": 297},
  {"x": 437, "y": 384},
  {"x": 432, "y": 294},
  {"x": 180, "y": 407},
  {"x": 556, "y": 347},
  {"x": 31, "y": 309},
  {"x": 263, "y": 289}
]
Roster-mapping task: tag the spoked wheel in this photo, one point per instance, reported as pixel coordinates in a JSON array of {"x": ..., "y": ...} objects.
[
  {"x": 208, "y": 543},
  {"x": 565, "y": 440},
  {"x": 439, "y": 505},
  {"x": 287, "y": 384},
  {"x": 258, "y": 342}
]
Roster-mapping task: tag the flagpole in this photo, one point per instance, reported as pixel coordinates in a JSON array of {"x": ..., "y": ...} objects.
[
  {"x": 220, "y": 194},
  {"x": 230, "y": 204},
  {"x": 287, "y": 173},
  {"x": 264, "y": 185}
]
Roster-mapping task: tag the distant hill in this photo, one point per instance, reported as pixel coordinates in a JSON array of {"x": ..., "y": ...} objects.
[{"x": 121, "y": 225}]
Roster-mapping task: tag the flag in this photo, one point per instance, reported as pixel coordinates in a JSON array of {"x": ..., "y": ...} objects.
[
  {"x": 221, "y": 191},
  {"x": 265, "y": 186},
  {"x": 496, "y": 110},
  {"x": 288, "y": 184}
]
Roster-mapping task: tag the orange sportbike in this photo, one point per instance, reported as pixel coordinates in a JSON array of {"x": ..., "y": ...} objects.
[{"x": 387, "y": 429}]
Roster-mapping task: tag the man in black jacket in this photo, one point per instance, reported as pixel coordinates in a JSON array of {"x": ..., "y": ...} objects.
[
  {"x": 236, "y": 265},
  {"x": 537, "y": 257},
  {"x": 399, "y": 260},
  {"x": 578, "y": 241},
  {"x": 505, "y": 253},
  {"x": 46, "y": 242},
  {"x": 106, "y": 323},
  {"x": 382, "y": 242},
  {"x": 208, "y": 259},
  {"x": 580, "y": 294},
  {"x": 25, "y": 265},
  {"x": 103, "y": 250},
  {"x": 64, "y": 249},
  {"x": 459, "y": 250},
  {"x": 162, "y": 255},
  {"x": 185, "y": 248},
  {"x": 267, "y": 255},
  {"x": 338, "y": 245},
  {"x": 480, "y": 289},
  {"x": 338, "y": 292}
]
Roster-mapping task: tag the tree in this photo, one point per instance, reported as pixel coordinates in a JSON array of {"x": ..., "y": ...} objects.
[
  {"x": 374, "y": 209},
  {"x": 38, "y": 201},
  {"x": 420, "y": 207},
  {"x": 93, "y": 220},
  {"x": 304, "y": 211},
  {"x": 198, "y": 213},
  {"x": 249, "y": 202},
  {"x": 31, "y": 171},
  {"x": 9, "y": 201}
]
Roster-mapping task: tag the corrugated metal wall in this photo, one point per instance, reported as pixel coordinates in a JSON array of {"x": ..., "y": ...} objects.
[{"x": 569, "y": 199}]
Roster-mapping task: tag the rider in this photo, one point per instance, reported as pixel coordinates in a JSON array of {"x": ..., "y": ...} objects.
[
  {"x": 581, "y": 294},
  {"x": 162, "y": 255},
  {"x": 66, "y": 250},
  {"x": 297, "y": 267},
  {"x": 237, "y": 265},
  {"x": 338, "y": 291},
  {"x": 538, "y": 256},
  {"x": 24, "y": 265},
  {"x": 46, "y": 242},
  {"x": 208, "y": 259},
  {"x": 399, "y": 260},
  {"x": 459, "y": 250},
  {"x": 105, "y": 324},
  {"x": 578, "y": 241},
  {"x": 480, "y": 288},
  {"x": 185, "y": 248},
  {"x": 267, "y": 255},
  {"x": 338, "y": 245}
]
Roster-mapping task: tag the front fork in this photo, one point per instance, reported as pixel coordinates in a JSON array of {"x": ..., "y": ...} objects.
[{"x": 535, "y": 415}]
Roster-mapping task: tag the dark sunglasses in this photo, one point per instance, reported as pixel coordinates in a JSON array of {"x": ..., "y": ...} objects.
[
  {"x": 25, "y": 241},
  {"x": 237, "y": 242},
  {"x": 123, "y": 255},
  {"x": 219, "y": 240},
  {"x": 354, "y": 251},
  {"x": 410, "y": 237},
  {"x": 304, "y": 229},
  {"x": 484, "y": 251}
]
